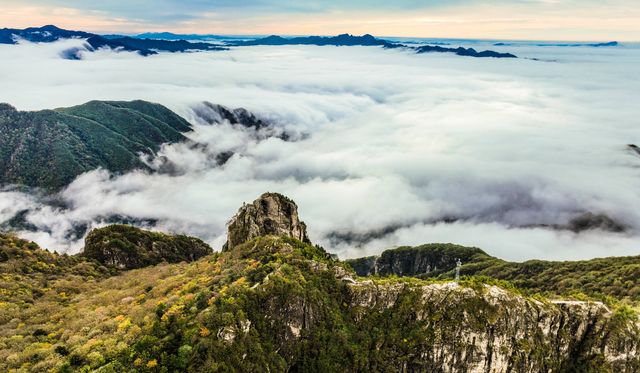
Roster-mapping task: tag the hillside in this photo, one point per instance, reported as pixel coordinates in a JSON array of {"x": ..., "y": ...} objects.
[
  {"x": 49, "y": 148},
  {"x": 276, "y": 304},
  {"x": 602, "y": 277}
]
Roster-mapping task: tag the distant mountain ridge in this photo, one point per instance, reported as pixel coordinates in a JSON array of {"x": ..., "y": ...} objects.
[
  {"x": 342, "y": 39},
  {"x": 173, "y": 36},
  {"x": 144, "y": 47},
  {"x": 151, "y": 43},
  {"x": 368, "y": 40},
  {"x": 594, "y": 45}
]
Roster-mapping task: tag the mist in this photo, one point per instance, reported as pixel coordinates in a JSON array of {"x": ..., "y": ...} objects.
[{"x": 389, "y": 148}]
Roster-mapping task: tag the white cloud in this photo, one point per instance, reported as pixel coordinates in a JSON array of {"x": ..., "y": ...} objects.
[{"x": 393, "y": 140}]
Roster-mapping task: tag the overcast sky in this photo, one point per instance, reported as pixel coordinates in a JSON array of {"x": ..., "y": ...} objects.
[{"x": 499, "y": 19}]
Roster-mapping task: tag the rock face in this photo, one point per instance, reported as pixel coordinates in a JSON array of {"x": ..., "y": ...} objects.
[
  {"x": 127, "y": 247},
  {"x": 260, "y": 128},
  {"x": 271, "y": 214},
  {"x": 320, "y": 319},
  {"x": 213, "y": 113},
  {"x": 488, "y": 329}
]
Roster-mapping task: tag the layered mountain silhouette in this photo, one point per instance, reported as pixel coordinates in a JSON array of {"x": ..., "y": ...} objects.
[
  {"x": 367, "y": 40},
  {"x": 144, "y": 47},
  {"x": 342, "y": 39},
  {"x": 152, "y": 43}
]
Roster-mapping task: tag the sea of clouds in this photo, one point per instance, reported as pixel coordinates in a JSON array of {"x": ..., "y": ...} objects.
[{"x": 391, "y": 148}]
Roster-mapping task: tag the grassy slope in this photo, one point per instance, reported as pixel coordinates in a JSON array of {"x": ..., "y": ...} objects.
[{"x": 49, "y": 148}]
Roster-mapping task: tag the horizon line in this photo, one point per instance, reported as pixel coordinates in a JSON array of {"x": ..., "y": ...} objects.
[{"x": 329, "y": 35}]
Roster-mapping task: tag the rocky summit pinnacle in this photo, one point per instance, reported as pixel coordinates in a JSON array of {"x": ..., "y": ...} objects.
[{"x": 270, "y": 214}]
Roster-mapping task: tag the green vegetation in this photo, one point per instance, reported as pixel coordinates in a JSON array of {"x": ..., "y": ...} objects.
[
  {"x": 608, "y": 279},
  {"x": 127, "y": 247},
  {"x": 274, "y": 304},
  {"x": 49, "y": 148},
  {"x": 601, "y": 278},
  {"x": 27, "y": 273}
]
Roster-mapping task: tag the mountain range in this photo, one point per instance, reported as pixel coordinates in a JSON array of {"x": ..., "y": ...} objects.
[
  {"x": 144, "y": 301},
  {"x": 152, "y": 43},
  {"x": 144, "y": 47},
  {"x": 367, "y": 40}
]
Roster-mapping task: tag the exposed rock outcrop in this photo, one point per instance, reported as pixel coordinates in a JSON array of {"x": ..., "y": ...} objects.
[
  {"x": 213, "y": 113},
  {"x": 489, "y": 329},
  {"x": 127, "y": 247},
  {"x": 261, "y": 128},
  {"x": 270, "y": 214}
]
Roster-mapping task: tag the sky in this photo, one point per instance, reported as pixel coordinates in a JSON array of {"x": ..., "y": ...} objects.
[
  {"x": 584, "y": 20},
  {"x": 388, "y": 146}
]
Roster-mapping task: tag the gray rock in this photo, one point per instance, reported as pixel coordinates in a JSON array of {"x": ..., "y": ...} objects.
[{"x": 271, "y": 214}]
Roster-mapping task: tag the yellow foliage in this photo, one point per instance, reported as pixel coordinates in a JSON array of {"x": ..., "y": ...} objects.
[
  {"x": 204, "y": 279},
  {"x": 124, "y": 325},
  {"x": 241, "y": 282},
  {"x": 204, "y": 332},
  {"x": 137, "y": 362},
  {"x": 176, "y": 310},
  {"x": 211, "y": 300},
  {"x": 189, "y": 286},
  {"x": 152, "y": 363}
]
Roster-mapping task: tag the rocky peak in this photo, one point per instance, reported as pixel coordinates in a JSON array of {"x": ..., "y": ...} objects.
[{"x": 270, "y": 214}]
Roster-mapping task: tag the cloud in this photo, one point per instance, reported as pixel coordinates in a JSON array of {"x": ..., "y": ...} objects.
[
  {"x": 394, "y": 144},
  {"x": 521, "y": 19}
]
